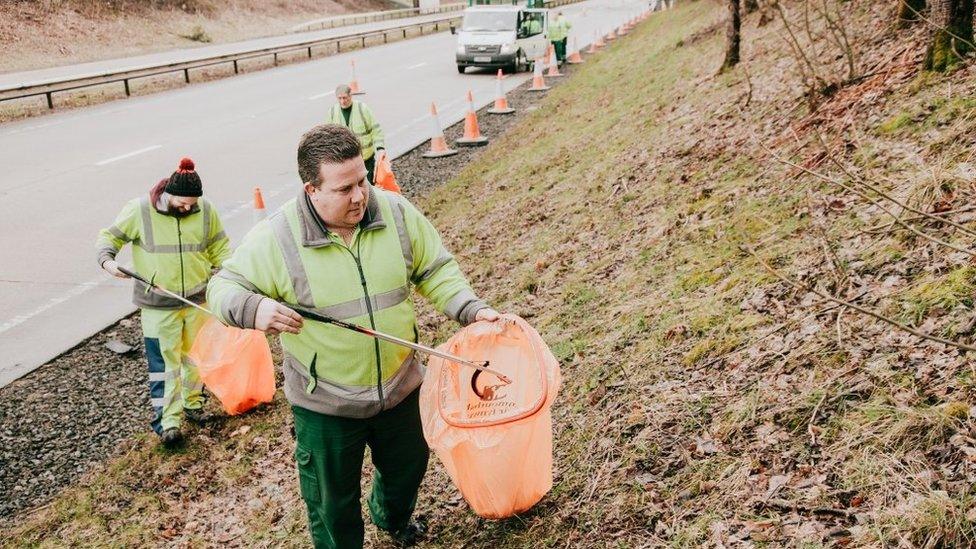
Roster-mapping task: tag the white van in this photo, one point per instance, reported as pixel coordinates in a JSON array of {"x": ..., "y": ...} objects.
[{"x": 506, "y": 37}]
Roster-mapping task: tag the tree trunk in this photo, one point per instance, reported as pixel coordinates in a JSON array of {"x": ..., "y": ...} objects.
[
  {"x": 732, "y": 36},
  {"x": 909, "y": 10},
  {"x": 953, "y": 36},
  {"x": 750, "y": 6}
]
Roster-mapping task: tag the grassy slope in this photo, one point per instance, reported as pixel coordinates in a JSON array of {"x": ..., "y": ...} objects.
[{"x": 704, "y": 401}]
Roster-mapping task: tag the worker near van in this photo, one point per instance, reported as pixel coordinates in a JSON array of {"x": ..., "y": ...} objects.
[
  {"x": 352, "y": 252},
  {"x": 559, "y": 35},
  {"x": 177, "y": 239},
  {"x": 358, "y": 117},
  {"x": 531, "y": 25}
]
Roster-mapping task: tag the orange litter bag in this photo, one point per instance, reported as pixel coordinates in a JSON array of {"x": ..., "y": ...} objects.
[
  {"x": 235, "y": 365},
  {"x": 495, "y": 440},
  {"x": 384, "y": 178}
]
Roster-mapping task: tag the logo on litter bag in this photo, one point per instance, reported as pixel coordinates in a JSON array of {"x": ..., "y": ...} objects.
[{"x": 493, "y": 400}]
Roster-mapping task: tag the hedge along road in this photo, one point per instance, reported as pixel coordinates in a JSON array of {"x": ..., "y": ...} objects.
[{"x": 66, "y": 175}]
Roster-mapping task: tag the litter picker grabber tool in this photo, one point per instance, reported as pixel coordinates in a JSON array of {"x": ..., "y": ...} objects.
[
  {"x": 150, "y": 284},
  {"x": 481, "y": 366}
]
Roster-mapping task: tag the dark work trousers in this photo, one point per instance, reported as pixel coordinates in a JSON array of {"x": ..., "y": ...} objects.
[
  {"x": 330, "y": 452},
  {"x": 560, "y": 47},
  {"x": 370, "y": 168}
]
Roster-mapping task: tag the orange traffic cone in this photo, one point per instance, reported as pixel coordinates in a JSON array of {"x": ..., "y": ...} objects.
[
  {"x": 472, "y": 133},
  {"x": 438, "y": 145},
  {"x": 594, "y": 47},
  {"x": 553, "y": 63},
  {"x": 384, "y": 178},
  {"x": 354, "y": 83},
  {"x": 259, "y": 210},
  {"x": 574, "y": 58},
  {"x": 538, "y": 81},
  {"x": 599, "y": 41},
  {"x": 501, "y": 102}
]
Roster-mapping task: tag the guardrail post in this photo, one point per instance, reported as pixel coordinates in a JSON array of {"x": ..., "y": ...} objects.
[
  {"x": 404, "y": 33},
  {"x": 126, "y": 82},
  {"x": 276, "y": 59},
  {"x": 364, "y": 41},
  {"x": 235, "y": 66},
  {"x": 384, "y": 37},
  {"x": 310, "y": 52},
  {"x": 50, "y": 101},
  {"x": 186, "y": 75}
]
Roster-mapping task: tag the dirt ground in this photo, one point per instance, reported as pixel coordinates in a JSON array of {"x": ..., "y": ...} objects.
[{"x": 37, "y": 34}]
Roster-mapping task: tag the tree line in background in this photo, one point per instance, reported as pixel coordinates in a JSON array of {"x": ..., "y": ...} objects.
[{"x": 950, "y": 21}]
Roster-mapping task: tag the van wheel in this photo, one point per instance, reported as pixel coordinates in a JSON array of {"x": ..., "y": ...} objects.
[
  {"x": 521, "y": 63},
  {"x": 461, "y": 69}
]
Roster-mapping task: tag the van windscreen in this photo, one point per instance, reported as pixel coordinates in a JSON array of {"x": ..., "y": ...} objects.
[{"x": 488, "y": 21}]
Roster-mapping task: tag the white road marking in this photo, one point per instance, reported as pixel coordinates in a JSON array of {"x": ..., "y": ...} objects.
[
  {"x": 417, "y": 66},
  {"x": 321, "y": 95},
  {"x": 76, "y": 291},
  {"x": 127, "y": 155}
]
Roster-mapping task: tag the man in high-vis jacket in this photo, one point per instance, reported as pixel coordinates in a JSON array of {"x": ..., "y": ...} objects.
[
  {"x": 559, "y": 35},
  {"x": 352, "y": 252},
  {"x": 177, "y": 238},
  {"x": 358, "y": 117}
]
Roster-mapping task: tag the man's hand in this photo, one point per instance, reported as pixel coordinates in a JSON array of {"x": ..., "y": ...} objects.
[
  {"x": 488, "y": 315},
  {"x": 112, "y": 267},
  {"x": 273, "y": 317}
]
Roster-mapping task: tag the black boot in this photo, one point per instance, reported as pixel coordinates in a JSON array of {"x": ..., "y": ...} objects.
[{"x": 172, "y": 438}]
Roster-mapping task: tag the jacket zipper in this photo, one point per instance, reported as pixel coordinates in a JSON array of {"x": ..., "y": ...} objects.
[
  {"x": 179, "y": 241},
  {"x": 372, "y": 320}
]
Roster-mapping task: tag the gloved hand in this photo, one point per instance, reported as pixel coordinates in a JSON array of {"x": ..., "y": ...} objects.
[
  {"x": 112, "y": 267},
  {"x": 273, "y": 317}
]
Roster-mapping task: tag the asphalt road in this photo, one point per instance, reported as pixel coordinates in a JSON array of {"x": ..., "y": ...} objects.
[{"x": 64, "y": 176}]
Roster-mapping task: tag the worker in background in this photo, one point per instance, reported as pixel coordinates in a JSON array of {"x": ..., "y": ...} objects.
[
  {"x": 358, "y": 117},
  {"x": 559, "y": 35},
  {"x": 531, "y": 25},
  {"x": 353, "y": 252},
  {"x": 177, "y": 238}
]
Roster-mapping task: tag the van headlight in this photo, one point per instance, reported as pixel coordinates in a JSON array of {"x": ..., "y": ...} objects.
[
  {"x": 460, "y": 49},
  {"x": 508, "y": 48}
]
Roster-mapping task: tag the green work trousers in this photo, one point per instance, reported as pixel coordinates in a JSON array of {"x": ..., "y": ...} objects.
[
  {"x": 560, "y": 47},
  {"x": 329, "y": 453}
]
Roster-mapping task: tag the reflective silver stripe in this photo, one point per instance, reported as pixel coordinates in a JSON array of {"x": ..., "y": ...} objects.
[
  {"x": 117, "y": 233},
  {"x": 456, "y": 304},
  {"x": 162, "y": 376},
  {"x": 303, "y": 291},
  {"x": 205, "y": 241},
  {"x": 293, "y": 261},
  {"x": 157, "y": 402},
  {"x": 356, "y": 392},
  {"x": 401, "y": 228},
  {"x": 237, "y": 279},
  {"x": 148, "y": 241},
  {"x": 218, "y": 237},
  {"x": 172, "y": 248},
  {"x": 357, "y": 307},
  {"x": 444, "y": 259}
]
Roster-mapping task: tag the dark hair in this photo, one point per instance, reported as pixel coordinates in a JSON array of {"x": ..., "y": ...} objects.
[{"x": 325, "y": 144}]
